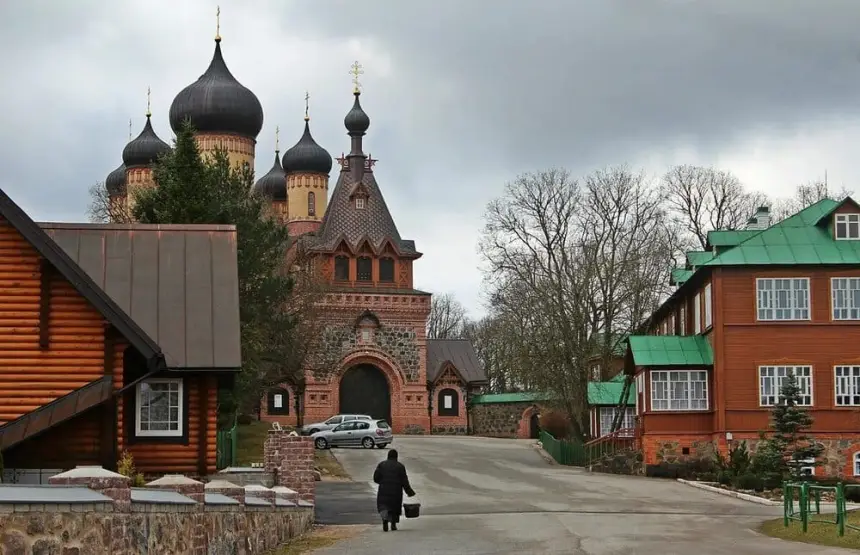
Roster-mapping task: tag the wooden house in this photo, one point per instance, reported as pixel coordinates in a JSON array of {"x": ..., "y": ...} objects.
[
  {"x": 114, "y": 337},
  {"x": 756, "y": 305}
]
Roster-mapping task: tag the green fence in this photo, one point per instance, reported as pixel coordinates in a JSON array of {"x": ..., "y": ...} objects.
[
  {"x": 569, "y": 453},
  {"x": 226, "y": 447},
  {"x": 802, "y": 503}
]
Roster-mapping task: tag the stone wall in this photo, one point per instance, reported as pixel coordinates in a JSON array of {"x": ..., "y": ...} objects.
[
  {"x": 398, "y": 341},
  {"x": 499, "y": 419}
]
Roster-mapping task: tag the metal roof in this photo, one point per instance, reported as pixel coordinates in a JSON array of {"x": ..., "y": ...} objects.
[
  {"x": 609, "y": 393},
  {"x": 730, "y": 238},
  {"x": 179, "y": 283},
  {"x": 679, "y": 276},
  {"x": 671, "y": 350},
  {"x": 524, "y": 397},
  {"x": 697, "y": 258},
  {"x": 460, "y": 353}
]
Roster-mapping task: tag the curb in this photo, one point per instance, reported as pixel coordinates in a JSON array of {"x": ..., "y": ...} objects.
[
  {"x": 728, "y": 493},
  {"x": 544, "y": 455}
]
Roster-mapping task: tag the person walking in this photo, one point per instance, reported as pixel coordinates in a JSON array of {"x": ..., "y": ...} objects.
[{"x": 391, "y": 476}]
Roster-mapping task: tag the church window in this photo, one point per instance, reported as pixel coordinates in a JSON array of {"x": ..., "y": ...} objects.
[
  {"x": 365, "y": 268},
  {"x": 386, "y": 269},
  {"x": 312, "y": 204},
  {"x": 359, "y": 203},
  {"x": 279, "y": 402},
  {"x": 341, "y": 268},
  {"x": 449, "y": 402}
]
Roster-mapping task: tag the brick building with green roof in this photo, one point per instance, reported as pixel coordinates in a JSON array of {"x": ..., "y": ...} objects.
[{"x": 754, "y": 306}]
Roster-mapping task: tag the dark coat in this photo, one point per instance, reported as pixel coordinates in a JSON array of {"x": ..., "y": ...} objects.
[{"x": 392, "y": 480}]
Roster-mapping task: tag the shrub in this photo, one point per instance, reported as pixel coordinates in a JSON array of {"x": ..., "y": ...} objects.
[
  {"x": 748, "y": 482},
  {"x": 125, "y": 466},
  {"x": 724, "y": 477},
  {"x": 244, "y": 419},
  {"x": 556, "y": 424},
  {"x": 739, "y": 460}
]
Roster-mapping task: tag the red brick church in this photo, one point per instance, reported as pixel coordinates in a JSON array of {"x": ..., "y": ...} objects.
[{"x": 375, "y": 319}]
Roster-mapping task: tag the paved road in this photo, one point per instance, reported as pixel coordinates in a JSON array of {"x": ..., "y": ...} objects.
[{"x": 490, "y": 496}]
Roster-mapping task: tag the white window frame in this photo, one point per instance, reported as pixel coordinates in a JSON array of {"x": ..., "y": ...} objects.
[
  {"x": 856, "y": 460},
  {"x": 766, "y": 299},
  {"x": 359, "y": 203},
  {"x": 606, "y": 415},
  {"x": 846, "y": 220},
  {"x": 846, "y": 383},
  {"x": 278, "y": 400},
  {"x": 846, "y": 289},
  {"x": 682, "y": 317},
  {"x": 448, "y": 401},
  {"x": 139, "y": 405},
  {"x": 803, "y": 373},
  {"x": 697, "y": 314},
  {"x": 685, "y": 403},
  {"x": 709, "y": 312}
]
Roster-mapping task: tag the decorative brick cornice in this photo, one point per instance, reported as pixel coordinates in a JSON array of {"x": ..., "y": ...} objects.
[{"x": 416, "y": 306}]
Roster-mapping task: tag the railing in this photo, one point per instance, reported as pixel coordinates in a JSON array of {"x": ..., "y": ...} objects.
[
  {"x": 566, "y": 452},
  {"x": 609, "y": 444},
  {"x": 808, "y": 505},
  {"x": 226, "y": 447}
]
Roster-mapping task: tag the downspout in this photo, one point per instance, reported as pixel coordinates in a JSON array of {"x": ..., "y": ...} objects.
[{"x": 430, "y": 405}]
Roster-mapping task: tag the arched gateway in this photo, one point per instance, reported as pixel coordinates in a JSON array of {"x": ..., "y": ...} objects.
[{"x": 364, "y": 389}]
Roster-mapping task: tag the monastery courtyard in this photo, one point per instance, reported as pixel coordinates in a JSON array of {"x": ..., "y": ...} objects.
[{"x": 491, "y": 496}]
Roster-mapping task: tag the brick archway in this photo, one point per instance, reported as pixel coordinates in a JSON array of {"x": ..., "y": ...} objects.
[
  {"x": 525, "y": 428},
  {"x": 386, "y": 367}
]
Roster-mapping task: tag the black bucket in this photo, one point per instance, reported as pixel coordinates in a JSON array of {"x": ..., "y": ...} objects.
[{"x": 411, "y": 510}]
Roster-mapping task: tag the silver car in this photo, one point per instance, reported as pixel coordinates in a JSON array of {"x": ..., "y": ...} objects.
[
  {"x": 310, "y": 429},
  {"x": 355, "y": 433}
]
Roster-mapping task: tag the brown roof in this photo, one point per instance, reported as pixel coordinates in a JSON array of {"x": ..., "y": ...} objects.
[
  {"x": 458, "y": 352},
  {"x": 344, "y": 222},
  {"x": 178, "y": 283}
]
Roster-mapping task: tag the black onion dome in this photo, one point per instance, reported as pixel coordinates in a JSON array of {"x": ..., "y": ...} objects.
[
  {"x": 307, "y": 156},
  {"x": 218, "y": 103},
  {"x": 273, "y": 185},
  {"x": 145, "y": 149},
  {"x": 115, "y": 181},
  {"x": 356, "y": 120}
]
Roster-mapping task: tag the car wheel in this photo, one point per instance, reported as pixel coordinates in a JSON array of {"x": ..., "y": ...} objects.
[
  {"x": 321, "y": 443},
  {"x": 367, "y": 443}
]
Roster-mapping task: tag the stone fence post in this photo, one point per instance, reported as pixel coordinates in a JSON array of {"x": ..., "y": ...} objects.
[
  {"x": 182, "y": 485},
  {"x": 290, "y": 459},
  {"x": 113, "y": 485},
  {"x": 224, "y": 487}
]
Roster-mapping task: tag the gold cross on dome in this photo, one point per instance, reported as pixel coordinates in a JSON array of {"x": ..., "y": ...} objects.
[
  {"x": 307, "y": 98},
  {"x": 355, "y": 70},
  {"x": 148, "y": 101},
  {"x": 218, "y": 23},
  {"x": 277, "y": 138},
  {"x": 129, "y": 129}
]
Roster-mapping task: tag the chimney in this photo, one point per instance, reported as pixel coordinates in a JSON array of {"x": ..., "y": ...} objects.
[{"x": 762, "y": 215}]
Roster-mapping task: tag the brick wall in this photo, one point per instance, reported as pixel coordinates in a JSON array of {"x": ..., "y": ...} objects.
[
  {"x": 502, "y": 419},
  {"x": 290, "y": 460}
]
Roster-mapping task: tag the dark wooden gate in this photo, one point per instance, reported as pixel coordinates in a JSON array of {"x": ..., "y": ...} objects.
[
  {"x": 534, "y": 426},
  {"x": 364, "y": 390}
]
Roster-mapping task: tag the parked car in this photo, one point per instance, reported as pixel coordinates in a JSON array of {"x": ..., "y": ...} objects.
[
  {"x": 311, "y": 429},
  {"x": 355, "y": 433}
]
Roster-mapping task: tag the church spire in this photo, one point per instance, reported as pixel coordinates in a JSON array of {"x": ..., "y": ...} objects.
[{"x": 357, "y": 123}]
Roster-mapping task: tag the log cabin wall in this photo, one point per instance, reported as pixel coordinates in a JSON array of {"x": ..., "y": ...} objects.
[{"x": 71, "y": 354}]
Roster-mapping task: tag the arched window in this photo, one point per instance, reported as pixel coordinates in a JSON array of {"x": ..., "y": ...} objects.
[
  {"x": 449, "y": 402},
  {"x": 278, "y": 402},
  {"x": 341, "y": 268},
  {"x": 386, "y": 270},
  {"x": 312, "y": 204},
  {"x": 364, "y": 269},
  {"x": 857, "y": 463}
]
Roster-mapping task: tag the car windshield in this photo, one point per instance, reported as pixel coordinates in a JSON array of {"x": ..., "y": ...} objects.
[
  {"x": 382, "y": 424},
  {"x": 333, "y": 420}
]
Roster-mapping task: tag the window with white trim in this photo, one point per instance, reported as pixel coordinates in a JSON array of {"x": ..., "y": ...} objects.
[
  {"x": 845, "y": 294},
  {"x": 847, "y": 226},
  {"x": 697, "y": 313},
  {"x": 159, "y": 408},
  {"x": 771, "y": 379},
  {"x": 679, "y": 390},
  {"x": 607, "y": 416},
  {"x": 847, "y": 386},
  {"x": 682, "y": 320},
  {"x": 359, "y": 203},
  {"x": 782, "y": 298},
  {"x": 857, "y": 463},
  {"x": 709, "y": 313}
]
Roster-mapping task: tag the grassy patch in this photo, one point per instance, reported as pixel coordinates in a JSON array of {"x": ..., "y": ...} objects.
[
  {"x": 320, "y": 537},
  {"x": 818, "y": 533},
  {"x": 249, "y": 449}
]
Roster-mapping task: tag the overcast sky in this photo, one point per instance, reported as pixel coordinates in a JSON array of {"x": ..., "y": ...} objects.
[{"x": 463, "y": 95}]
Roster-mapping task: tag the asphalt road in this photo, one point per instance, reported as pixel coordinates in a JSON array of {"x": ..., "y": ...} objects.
[{"x": 491, "y": 496}]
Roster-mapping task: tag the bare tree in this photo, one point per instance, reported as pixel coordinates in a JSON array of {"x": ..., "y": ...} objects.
[
  {"x": 705, "y": 199},
  {"x": 447, "y": 318},
  {"x": 103, "y": 209},
  {"x": 571, "y": 262},
  {"x": 805, "y": 195}
]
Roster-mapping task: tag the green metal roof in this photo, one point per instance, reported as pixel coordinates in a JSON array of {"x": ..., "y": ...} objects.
[
  {"x": 609, "y": 393},
  {"x": 618, "y": 343},
  {"x": 525, "y": 397},
  {"x": 679, "y": 276},
  {"x": 794, "y": 241},
  {"x": 698, "y": 258},
  {"x": 730, "y": 238},
  {"x": 671, "y": 350}
]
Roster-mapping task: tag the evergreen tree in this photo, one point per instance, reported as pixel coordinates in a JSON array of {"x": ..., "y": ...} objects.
[
  {"x": 196, "y": 190},
  {"x": 789, "y": 420}
]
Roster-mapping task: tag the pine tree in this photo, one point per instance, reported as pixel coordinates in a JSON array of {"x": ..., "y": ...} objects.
[
  {"x": 196, "y": 190},
  {"x": 789, "y": 420}
]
